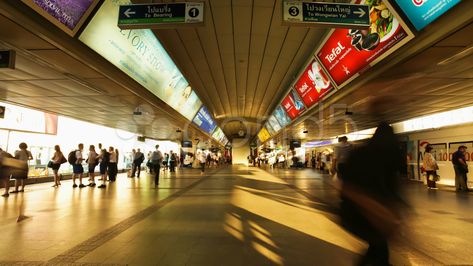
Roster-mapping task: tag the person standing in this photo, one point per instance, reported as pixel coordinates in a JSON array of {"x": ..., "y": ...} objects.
[
  {"x": 92, "y": 161},
  {"x": 156, "y": 161},
  {"x": 77, "y": 169},
  {"x": 461, "y": 169},
  {"x": 23, "y": 155},
  {"x": 58, "y": 159},
  {"x": 104, "y": 159},
  {"x": 172, "y": 162},
  {"x": 165, "y": 161},
  {"x": 340, "y": 156},
  {"x": 430, "y": 166},
  {"x": 113, "y": 164},
  {"x": 138, "y": 159},
  {"x": 202, "y": 161}
]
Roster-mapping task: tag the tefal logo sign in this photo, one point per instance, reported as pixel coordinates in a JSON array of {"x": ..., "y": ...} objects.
[{"x": 419, "y": 2}]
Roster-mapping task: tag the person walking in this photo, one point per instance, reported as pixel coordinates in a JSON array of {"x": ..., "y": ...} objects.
[
  {"x": 461, "y": 169},
  {"x": 23, "y": 155},
  {"x": 165, "y": 161},
  {"x": 202, "y": 161},
  {"x": 371, "y": 202},
  {"x": 340, "y": 156},
  {"x": 113, "y": 164},
  {"x": 4, "y": 174},
  {"x": 156, "y": 161},
  {"x": 92, "y": 160},
  {"x": 430, "y": 165},
  {"x": 138, "y": 159},
  {"x": 57, "y": 160},
  {"x": 77, "y": 169},
  {"x": 172, "y": 161}
]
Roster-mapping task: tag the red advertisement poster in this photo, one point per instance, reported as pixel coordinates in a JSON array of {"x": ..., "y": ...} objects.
[
  {"x": 348, "y": 52},
  {"x": 293, "y": 105},
  {"x": 313, "y": 84}
]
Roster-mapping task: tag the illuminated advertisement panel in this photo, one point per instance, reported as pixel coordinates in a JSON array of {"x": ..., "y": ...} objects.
[
  {"x": 347, "y": 52},
  {"x": 313, "y": 84},
  {"x": 140, "y": 55},
  {"x": 218, "y": 135},
  {"x": 270, "y": 129},
  {"x": 22, "y": 119},
  {"x": 204, "y": 120},
  {"x": 273, "y": 122},
  {"x": 423, "y": 12},
  {"x": 263, "y": 135},
  {"x": 281, "y": 116},
  {"x": 293, "y": 105},
  {"x": 68, "y": 15}
]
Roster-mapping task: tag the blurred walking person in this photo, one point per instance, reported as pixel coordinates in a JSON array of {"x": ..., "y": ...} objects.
[
  {"x": 430, "y": 165},
  {"x": 461, "y": 169},
  {"x": 4, "y": 173},
  {"x": 23, "y": 155},
  {"x": 202, "y": 160},
  {"x": 370, "y": 195},
  {"x": 340, "y": 156},
  {"x": 138, "y": 159},
  {"x": 156, "y": 161},
  {"x": 57, "y": 160}
]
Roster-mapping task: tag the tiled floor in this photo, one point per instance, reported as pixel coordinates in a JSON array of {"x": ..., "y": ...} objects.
[{"x": 229, "y": 216}]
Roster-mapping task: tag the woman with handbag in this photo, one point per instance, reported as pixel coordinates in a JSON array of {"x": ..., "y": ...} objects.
[
  {"x": 55, "y": 163},
  {"x": 431, "y": 167}
]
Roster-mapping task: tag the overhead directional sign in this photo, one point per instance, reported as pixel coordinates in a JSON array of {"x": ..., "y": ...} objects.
[
  {"x": 334, "y": 15},
  {"x": 7, "y": 59},
  {"x": 147, "y": 16}
]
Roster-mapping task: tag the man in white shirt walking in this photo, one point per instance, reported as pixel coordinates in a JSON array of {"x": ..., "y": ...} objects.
[{"x": 78, "y": 170}]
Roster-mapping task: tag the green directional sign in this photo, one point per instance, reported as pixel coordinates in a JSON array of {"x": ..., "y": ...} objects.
[
  {"x": 146, "y": 16},
  {"x": 333, "y": 15}
]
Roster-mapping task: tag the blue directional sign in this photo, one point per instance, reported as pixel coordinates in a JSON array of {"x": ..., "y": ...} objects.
[
  {"x": 328, "y": 14},
  {"x": 145, "y": 16}
]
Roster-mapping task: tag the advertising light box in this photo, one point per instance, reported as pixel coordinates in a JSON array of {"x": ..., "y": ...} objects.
[
  {"x": 140, "y": 55},
  {"x": 204, "y": 120},
  {"x": 270, "y": 129},
  {"x": 273, "y": 122},
  {"x": 263, "y": 135},
  {"x": 281, "y": 116},
  {"x": 66, "y": 14},
  {"x": 347, "y": 52},
  {"x": 423, "y": 12},
  {"x": 313, "y": 84},
  {"x": 23, "y": 119},
  {"x": 293, "y": 105},
  {"x": 218, "y": 135}
]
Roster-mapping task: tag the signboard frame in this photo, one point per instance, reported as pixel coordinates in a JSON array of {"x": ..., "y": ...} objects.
[
  {"x": 391, "y": 50},
  {"x": 57, "y": 23},
  {"x": 162, "y": 25},
  {"x": 324, "y": 24}
]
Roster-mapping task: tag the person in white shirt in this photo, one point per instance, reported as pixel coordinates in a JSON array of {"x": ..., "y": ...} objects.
[
  {"x": 156, "y": 161},
  {"x": 92, "y": 161},
  {"x": 431, "y": 167},
  {"x": 112, "y": 165},
  {"x": 77, "y": 169}
]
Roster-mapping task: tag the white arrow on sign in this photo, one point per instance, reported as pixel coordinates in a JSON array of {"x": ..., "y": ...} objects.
[
  {"x": 360, "y": 12},
  {"x": 128, "y": 12}
]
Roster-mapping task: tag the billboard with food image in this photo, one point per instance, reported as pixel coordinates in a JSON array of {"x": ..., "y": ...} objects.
[{"x": 348, "y": 52}]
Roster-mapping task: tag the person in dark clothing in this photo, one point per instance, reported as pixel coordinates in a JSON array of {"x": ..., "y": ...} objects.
[
  {"x": 370, "y": 196},
  {"x": 461, "y": 169},
  {"x": 138, "y": 159}
]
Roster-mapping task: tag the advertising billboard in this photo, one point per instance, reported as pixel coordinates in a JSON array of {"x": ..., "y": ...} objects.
[
  {"x": 263, "y": 135},
  {"x": 313, "y": 84},
  {"x": 270, "y": 129},
  {"x": 423, "y": 12},
  {"x": 139, "y": 54},
  {"x": 273, "y": 122},
  {"x": 204, "y": 120},
  {"x": 23, "y": 119},
  {"x": 293, "y": 105},
  {"x": 68, "y": 15},
  {"x": 347, "y": 52},
  {"x": 218, "y": 135},
  {"x": 281, "y": 116}
]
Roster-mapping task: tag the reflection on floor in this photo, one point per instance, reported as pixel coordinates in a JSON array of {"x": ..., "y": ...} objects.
[{"x": 229, "y": 216}]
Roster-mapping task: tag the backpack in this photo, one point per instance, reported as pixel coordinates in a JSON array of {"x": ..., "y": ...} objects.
[{"x": 71, "y": 158}]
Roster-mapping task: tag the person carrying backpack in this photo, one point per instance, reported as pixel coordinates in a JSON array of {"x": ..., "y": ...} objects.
[{"x": 75, "y": 158}]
